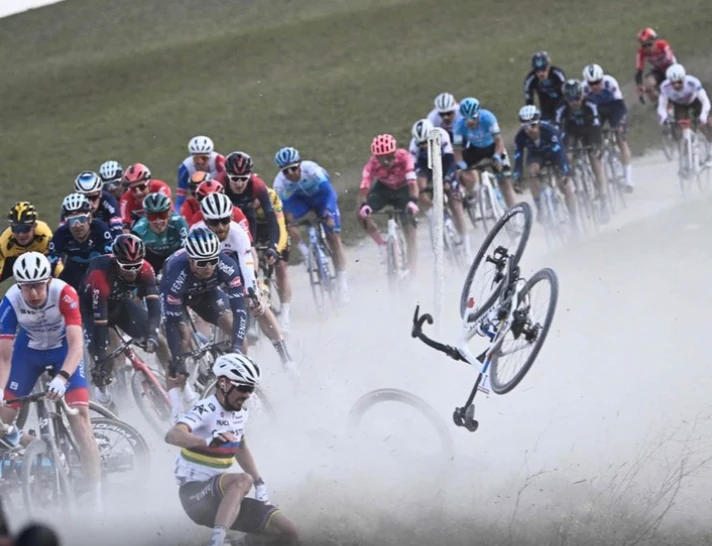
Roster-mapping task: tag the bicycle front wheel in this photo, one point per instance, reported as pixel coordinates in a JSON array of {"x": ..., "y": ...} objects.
[
  {"x": 43, "y": 489},
  {"x": 152, "y": 400},
  {"x": 124, "y": 454}
]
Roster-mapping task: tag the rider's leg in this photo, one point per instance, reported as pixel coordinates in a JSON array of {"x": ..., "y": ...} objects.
[
  {"x": 507, "y": 189},
  {"x": 566, "y": 185},
  {"x": 281, "y": 273},
  {"x": 534, "y": 163},
  {"x": 377, "y": 198},
  {"x": 651, "y": 88},
  {"x": 295, "y": 208},
  {"x": 327, "y": 209},
  {"x": 84, "y": 434}
]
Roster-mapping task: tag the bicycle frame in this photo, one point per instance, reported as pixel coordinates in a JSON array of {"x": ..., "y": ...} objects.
[
  {"x": 688, "y": 150},
  {"x": 394, "y": 239}
]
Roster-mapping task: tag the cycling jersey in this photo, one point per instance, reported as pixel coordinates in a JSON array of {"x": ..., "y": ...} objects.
[
  {"x": 237, "y": 216},
  {"x": 437, "y": 121},
  {"x": 400, "y": 173},
  {"x": 660, "y": 57},
  {"x": 548, "y": 90},
  {"x": 10, "y": 249},
  {"x": 187, "y": 169},
  {"x": 420, "y": 155},
  {"x": 547, "y": 148},
  {"x": 313, "y": 176},
  {"x": 107, "y": 212},
  {"x": 609, "y": 99},
  {"x": 255, "y": 192},
  {"x": 104, "y": 292},
  {"x": 161, "y": 245},
  {"x": 189, "y": 209},
  {"x": 132, "y": 208},
  {"x": 691, "y": 91},
  {"x": 279, "y": 213},
  {"x": 238, "y": 245},
  {"x": 480, "y": 136},
  {"x": 76, "y": 255}
]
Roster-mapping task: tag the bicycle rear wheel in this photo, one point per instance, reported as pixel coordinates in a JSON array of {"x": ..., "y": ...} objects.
[
  {"x": 317, "y": 287},
  {"x": 122, "y": 449},
  {"x": 526, "y": 332},
  {"x": 510, "y": 232},
  {"x": 151, "y": 400}
]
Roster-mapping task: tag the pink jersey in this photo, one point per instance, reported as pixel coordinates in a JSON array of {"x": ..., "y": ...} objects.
[{"x": 395, "y": 176}]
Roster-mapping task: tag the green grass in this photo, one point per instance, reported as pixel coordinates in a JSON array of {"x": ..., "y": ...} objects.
[{"x": 89, "y": 80}]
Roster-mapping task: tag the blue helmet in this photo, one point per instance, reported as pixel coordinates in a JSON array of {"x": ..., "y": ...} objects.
[
  {"x": 286, "y": 156},
  {"x": 88, "y": 182},
  {"x": 469, "y": 108}
]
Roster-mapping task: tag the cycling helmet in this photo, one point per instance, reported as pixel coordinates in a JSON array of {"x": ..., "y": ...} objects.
[
  {"x": 572, "y": 89},
  {"x": 529, "y": 114},
  {"x": 421, "y": 130},
  {"x": 238, "y": 164},
  {"x": 128, "y": 249},
  {"x": 647, "y": 35},
  {"x": 383, "y": 145},
  {"x": 469, "y": 108},
  {"x": 22, "y": 212},
  {"x": 206, "y": 188},
  {"x": 75, "y": 203},
  {"x": 540, "y": 60},
  {"x": 593, "y": 73},
  {"x": 31, "y": 267},
  {"x": 37, "y": 535},
  {"x": 445, "y": 102},
  {"x": 197, "y": 178},
  {"x": 137, "y": 173},
  {"x": 201, "y": 145},
  {"x": 156, "y": 202},
  {"x": 216, "y": 206},
  {"x": 111, "y": 171},
  {"x": 675, "y": 73},
  {"x": 287, "y": 156},
  {"x": 88, "y": 182},
  {"x": 202, "y": 244},
  {"x": 237, "y": 368}
]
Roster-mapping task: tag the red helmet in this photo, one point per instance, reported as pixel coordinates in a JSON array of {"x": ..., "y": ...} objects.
[
  {"x": 197, "y": 178},
  {"x": 137, "y": 173},
  {"x": 647, "y": 35},
  {"x": 128, "y": 249},
  {"x": 383, "y": 145},
  {"x": 208, "y": 187},
  {"x": 238, "y": 164}
]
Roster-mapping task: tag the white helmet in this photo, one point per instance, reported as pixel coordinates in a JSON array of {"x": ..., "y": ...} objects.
[
  {"x": 445, "y": 102},
  {"x": 200, "y": 145},
  {"x": 88, "y": 182},
  {"x": 529, "y": 113},
  {"x": 31, "y": 267},
  {"x": 592, "y": 73},
  {"x": 675, "y": 73},
  {"x": 202, "y": 244},
  {"x": 216, "y": 206},
  {"x": 75, "y": 203},
  {"x": 421, "y": 130},
  {"x": 111, "y": 171},
  {"x": 238, "y": 368}
]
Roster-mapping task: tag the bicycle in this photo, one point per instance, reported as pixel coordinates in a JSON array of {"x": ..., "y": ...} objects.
[
  {"x": 396, "y": 248},
  {"x": 669, "y": 145},
  {"x": 266, "y": 281},
  {"x": 590, "y": 207},
  {"x": 613, "y": 169},
  {"x": 554, "y": 212},
  {"x": 453, "y": 242},
  {"x": 320, "y": 264},
  {"x": 506, "y": 310},
  {"x": 693, "y": 151},
  {"x": 487, "y": 197}
]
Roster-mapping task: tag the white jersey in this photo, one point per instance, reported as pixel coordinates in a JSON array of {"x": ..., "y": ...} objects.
[
  {"x": 313, "y": 176},
  {"x": 189, "y": 165},
  {"x": 691, "y": 91},
  {"x": 610, "y": 91},
  {"x": 238, "y": 243},
  {"x": 435, "y": 119},
  {"x": 205, "y": 420},
  {"x": 445, "y": 144}
]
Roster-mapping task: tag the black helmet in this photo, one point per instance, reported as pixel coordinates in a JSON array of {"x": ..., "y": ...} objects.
[
  {"x": 238, "y": 164},
  {"x": 572, "y": 90},
  {"x": 128, "y": 249},
  {"x": 540, "y": 60}
]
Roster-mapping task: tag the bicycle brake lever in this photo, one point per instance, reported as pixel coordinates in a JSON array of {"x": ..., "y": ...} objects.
[{"x": 418, "y": 322}]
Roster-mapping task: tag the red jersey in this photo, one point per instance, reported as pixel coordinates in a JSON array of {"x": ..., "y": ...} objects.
[
  {"x": 660, "y": 56},
  {"x": 131, "y": 209}
]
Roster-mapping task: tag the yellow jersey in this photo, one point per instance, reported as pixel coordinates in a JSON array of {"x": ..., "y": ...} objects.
[
  {"x": 10, "y": 249},
  {"x": 279, "y": 213}
]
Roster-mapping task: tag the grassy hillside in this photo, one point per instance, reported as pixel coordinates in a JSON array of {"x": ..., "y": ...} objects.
[{"x": 89, "y": 80}]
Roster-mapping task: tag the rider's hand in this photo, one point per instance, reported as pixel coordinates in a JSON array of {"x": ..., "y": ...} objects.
[
  {"x": 412, "y": 208},
  {"x": 703, "y": 120},
  {"x": 261, "y": 492},
  {"x": 257, "y": 306},
  {"x": 151, "y": 345},
  {"x": 365, "y": 211},
  {"x": 220, "y": 438},
  {"x": 271, "y": 255},
  {"x": 56, "y": 388}
]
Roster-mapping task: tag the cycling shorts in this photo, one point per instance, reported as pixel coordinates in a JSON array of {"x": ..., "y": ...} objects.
[
  {"x": 557, "y": 159},
  {"x": 472, "y": 155},
  {"x": 323, "y": 202},
  {"x": 690, "y": 111},
  {"x": 27, "y": 365},
  {"x": 129, "y": 315},
  {"x": 616, "y": 114},
  {"x": 201, "y": 501},
  {"x": 263, "y": 239},
  {"x": 585, "y": 135},
  {"x": 210, "y": 305},
  {"x": 658, "y": 75},
  {"x": 381, "y": 196}
]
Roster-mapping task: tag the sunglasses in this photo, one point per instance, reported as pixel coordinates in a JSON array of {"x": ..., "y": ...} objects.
[
  {"x": 31, "y": 285},
  {"x": 93, "y": 196},
  {"x": 597, "y": 82},
  {"x": 290, "y": 170},
  {"x": 530, "y": 125},
  {"x": 386, "y": 158},
  {"x": 139, "y": 187},
  {"x": 209, "y": 262},
  {"x": 446, "y": 114},
  {"x": 77, "y": 220},
  {"x": 130, "y": 267},
  {"x": 243, "y": 388},
  {"x": 218, "y": 222},
  {"x": 201, "y": 158},
  {"x": 648, "y": 44},
  {"x": 153, "y": 216},
  {"x": 243, "y": 179},
  {"x": 20, "y": 229}
]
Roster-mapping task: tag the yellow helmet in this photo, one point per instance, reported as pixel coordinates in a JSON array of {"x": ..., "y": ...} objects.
[{"x": 22, "y": 212}]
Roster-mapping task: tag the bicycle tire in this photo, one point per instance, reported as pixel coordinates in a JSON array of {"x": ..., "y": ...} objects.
[
  {"x": 326, "y": 273},
  {"x": 156, "y": 409},
  {"x": 542, "y": 274},
  {"x": 371, "y": 399},
  {"x": 587, "y": 214},
  {"x": 134, "y": 438},
  {"x": 314, "y": 280},
  {"x": 525, "y": 211},
  {"x": 39, "y": 448},
  {"x": 668, "y": 145}
]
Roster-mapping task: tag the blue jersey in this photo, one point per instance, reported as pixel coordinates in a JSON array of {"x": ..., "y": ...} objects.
[
  {"x": 107, "y": 212},
  {"x": 480, "y": 136},
  {"x": 76, "y": 255},
  {"x": 313, "y": 178},
  {"x": 548, "y": 147},
  {"x": 179, "y": 284}
]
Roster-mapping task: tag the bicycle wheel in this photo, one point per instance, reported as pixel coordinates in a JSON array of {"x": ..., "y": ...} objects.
[
  {"x": 152, "y": 400},
  {"x": 382, "y": 396},
  {"x": 327, "y": 277},
  {"x": 122, "y": 450},
  {"x": 43, "y": 488},
  {"x": 587, "y": 214},
  {"x": 526, "y": 333},
  {"x": 101, "y": 411},
  {"x": 317, "y": 287},
  {"x": 668, "y": 144},
  {"x": 510, "y": 232},
  {"x": 453, "y": 244}
]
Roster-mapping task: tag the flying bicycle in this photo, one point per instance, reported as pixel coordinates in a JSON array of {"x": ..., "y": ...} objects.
[{"x": 502, "y": 314}]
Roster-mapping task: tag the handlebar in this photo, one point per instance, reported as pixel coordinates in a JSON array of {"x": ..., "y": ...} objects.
[
  {"x": 200, "y": 351},
  {"x": 417, "y": 332},
  {"x": 39, "y": 395}
]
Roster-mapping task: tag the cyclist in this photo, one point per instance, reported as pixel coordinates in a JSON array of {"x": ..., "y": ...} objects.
[
  {"x": 579, "y": 123},
  {"x": 138, "y": 179},
  {"x": 213, "y": 186},
  {"x": 477, "y": 137},
  {"x": 25, "y": 234},
  {"x": 546, "y": 82},
  {"x": 41, "y": 326},
  {"x": 445, "y": 113},
  {"x": 388, "y": 178},
  {"x": 305, "y": 186},
  {"x": 191, "y": 206},
  {"x": 79, "y": 240},
  {"x": 542, "y": 142},
  {"x": 112, "y": 175},
  {"x": 688, "y": 99},
  {"x": 162, "y": 231},
  {"x": 104, "y": 206},
  {"x": 209, "y": 282},
  {"x": 419, "y": 151},
  {"x": 604, "y": 90},
  {"x": 202, "y": 158},
  {"x": 659, "y": 55},
  {"x": 211, "y": 436},
  {"x": 217, "y": 210},
  {"x": 112, "y": 294}
]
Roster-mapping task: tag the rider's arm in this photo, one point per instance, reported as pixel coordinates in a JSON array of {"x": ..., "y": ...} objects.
[
  {"x": 69, "y": 307},
  {"x": 529, "y": 86},
  {"x": 705, "y": 100},
  {"x": 518, "y": 154},
  {"x": 182, "y": 185},
  {"x": 662, "y": 106},
  {"x": 243, "y": 249},
  {"x": 229, "y": 276},
  {"x": 111, "y": 206},
  {"x": 56, "y": 248},
  {"x": 246, "y": 461},
  {"x": 410, "y": 177},
  {"x": 366, "y": 181},
  {"x": 639, "y": 66},
  {"x": 182, "y": 227},
  {"x": 8, "y": 328},
  {"x": 173, "y": 280},
  {"x": 180, "y": 435},
  {"x": 96, "y": 290},
  {"x": 283, "y": 233},
  {"x": 152, "y": 298},
  {"x": 262, "y": 196},
  {"x": 125, "y": 209}
]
